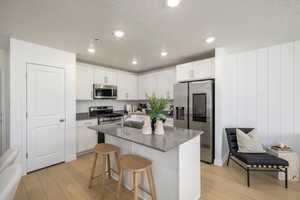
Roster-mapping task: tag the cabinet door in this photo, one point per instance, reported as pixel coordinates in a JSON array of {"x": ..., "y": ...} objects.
[
  {"x": 110, "y": 78},
  {"x": 127, "y": 86},
  {"x": 147, "y": 85},
  {"x": 123, "y": 86},
  {"x": 183, "y": 72},
  {"x": 165, "y": 81},
  {"x": 105, "y": 77},
  {"x": 86, "y": 138},
  {"x": 203, "y": 69},
  {"x": 197, "y": 70},
  {"x": 171, "y": 76},
  {"x": 132, "y": 87},
  {"x": 84, "y": 82}
]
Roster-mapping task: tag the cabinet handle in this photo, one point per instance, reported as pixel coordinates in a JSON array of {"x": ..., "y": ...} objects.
[
  {"x": 126, "y": 95},
  {"x": 105, "y": 79}
]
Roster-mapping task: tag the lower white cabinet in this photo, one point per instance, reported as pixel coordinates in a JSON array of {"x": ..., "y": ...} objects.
[{"x": 86, "y": 138}]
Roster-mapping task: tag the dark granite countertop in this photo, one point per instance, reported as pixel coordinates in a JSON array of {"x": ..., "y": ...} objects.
[
  {"x": 172, "y": 138},
  {"x": 84, "y": 116}
]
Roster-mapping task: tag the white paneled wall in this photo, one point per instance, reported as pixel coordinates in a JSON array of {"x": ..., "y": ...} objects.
[{"x": 261, "y": 89}]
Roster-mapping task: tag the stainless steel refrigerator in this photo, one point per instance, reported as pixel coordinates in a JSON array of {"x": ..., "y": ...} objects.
[{"x": 194, "y": 109}]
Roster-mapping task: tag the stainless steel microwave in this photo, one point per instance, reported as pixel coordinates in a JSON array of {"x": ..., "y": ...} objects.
[{"x": 105, "y": 91}]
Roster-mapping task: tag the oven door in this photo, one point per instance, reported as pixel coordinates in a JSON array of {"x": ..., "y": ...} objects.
[{"x": 105, "y": 92}]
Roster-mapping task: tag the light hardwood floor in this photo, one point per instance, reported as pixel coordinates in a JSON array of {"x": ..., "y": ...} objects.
[{"x": 69, "y": 181}]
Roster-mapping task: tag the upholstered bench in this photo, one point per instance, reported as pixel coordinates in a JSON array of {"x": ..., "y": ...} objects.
[{"x": 254, "y": 161}]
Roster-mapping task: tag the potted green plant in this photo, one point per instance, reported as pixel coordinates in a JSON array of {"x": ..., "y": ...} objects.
[{"x": 157, "y": 105}]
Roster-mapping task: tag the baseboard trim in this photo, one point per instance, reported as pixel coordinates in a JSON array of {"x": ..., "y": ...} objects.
[{"x": 220, "y": 162}]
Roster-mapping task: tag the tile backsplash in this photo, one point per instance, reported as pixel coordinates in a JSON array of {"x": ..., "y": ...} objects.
[{"x": 83, "y": 106}]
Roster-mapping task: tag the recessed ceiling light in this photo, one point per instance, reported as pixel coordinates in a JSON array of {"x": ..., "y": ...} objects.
[
  {"x": 134, "y": 62},
  {"x": 119, "y": 33},
  {"x": 91, "y": 50},
  {"x": 210, "y": 40},
  {"x": 164, "y": 53},
  {"x": 173, "y": 3}
]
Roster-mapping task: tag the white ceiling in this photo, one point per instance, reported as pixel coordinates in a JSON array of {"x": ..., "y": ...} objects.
[{"x": 150, "y": 27}]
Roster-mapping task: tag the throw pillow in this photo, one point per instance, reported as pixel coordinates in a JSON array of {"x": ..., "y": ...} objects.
[{"x": 249, "y": 143}]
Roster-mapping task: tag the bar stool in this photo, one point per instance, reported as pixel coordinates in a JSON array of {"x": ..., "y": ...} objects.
[
  {"x": 137, "y": 165},
  {"x": 105, "y": 151}
]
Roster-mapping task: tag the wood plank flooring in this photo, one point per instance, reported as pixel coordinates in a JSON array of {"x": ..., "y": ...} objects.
[{"x": 69, "y": 181}]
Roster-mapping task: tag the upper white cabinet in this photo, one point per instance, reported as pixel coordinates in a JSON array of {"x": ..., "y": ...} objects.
[
  {"x": 84, "y": 83},
  {"x": 166, "y": 80},
  {"x": 147, "y": 85},
  {"x": 159, "y": 83},
  {"x": 105, "y": 77},
  {"x": 202, "y": 69},
  {"x": 127, "y": 86}
]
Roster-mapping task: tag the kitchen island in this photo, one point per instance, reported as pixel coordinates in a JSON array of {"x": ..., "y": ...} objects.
[{"x": 175, "y": 159}]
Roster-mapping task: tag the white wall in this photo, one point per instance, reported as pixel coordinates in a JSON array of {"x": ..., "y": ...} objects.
[
  {"x": 22, "y": 53},
  {"x": 260, "y": 89},
  {"x": 4, "y": 79}
]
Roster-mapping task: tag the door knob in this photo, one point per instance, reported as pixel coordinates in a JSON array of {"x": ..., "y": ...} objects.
[{"x": 62, "y": 120}]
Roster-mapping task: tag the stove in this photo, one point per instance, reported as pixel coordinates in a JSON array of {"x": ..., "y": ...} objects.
[{"x": 106, "y": 116}]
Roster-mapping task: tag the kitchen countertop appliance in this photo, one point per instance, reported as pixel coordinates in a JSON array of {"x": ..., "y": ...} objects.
[
  {"x": 106, "y": 116},
  {"x": 194, "y": 109},
  {"x": 105, "y": 91}
]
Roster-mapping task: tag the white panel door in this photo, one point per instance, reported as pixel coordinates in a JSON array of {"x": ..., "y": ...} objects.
[{"x": 46, "y": 116}]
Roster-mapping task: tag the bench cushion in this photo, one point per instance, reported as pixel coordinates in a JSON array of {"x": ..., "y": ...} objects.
[{"x": 260, "y": 159}]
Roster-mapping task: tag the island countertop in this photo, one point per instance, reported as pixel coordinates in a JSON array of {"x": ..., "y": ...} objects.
[{"x": 172, "y": 138}]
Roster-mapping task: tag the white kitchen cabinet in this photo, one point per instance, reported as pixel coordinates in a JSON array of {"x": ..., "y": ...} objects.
[
  {"x": 160, "y": 83},
  {"x": 147, "y": 85},
  {"x": 165, "y": 81},
  {"x": 86, "y": 138},
  {"x": 127, "y": 86},
  {"x": 202, "y": 69},
  {"x": 105, "y": 77},
  {"x": 84, "y": 82}
]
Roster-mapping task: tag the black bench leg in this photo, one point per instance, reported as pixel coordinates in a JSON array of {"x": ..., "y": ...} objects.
[
  {"x": 248, "y": 177},
  {"x": 228, "y": 160},
  {"x": 286, "y": 177}
]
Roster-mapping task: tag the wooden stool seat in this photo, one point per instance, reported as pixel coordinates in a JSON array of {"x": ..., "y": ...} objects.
[
  {"x": 137, "y": 165},
  {"x": 134, "y": 163},
  {"x": 106, "y": 148},
  {"x": 105, "y": 151}
]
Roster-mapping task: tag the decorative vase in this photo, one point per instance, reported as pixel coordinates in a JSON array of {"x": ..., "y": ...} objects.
[
  {"x": 147, "y": 130},
  {"x": 159, "y": 128}
]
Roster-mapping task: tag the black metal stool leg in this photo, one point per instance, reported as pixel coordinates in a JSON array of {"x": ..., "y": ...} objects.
[
  {"x": 286, "y": 177},
  {"x": 248, "y": 177},
  {"x": 228, "y": 159}
]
